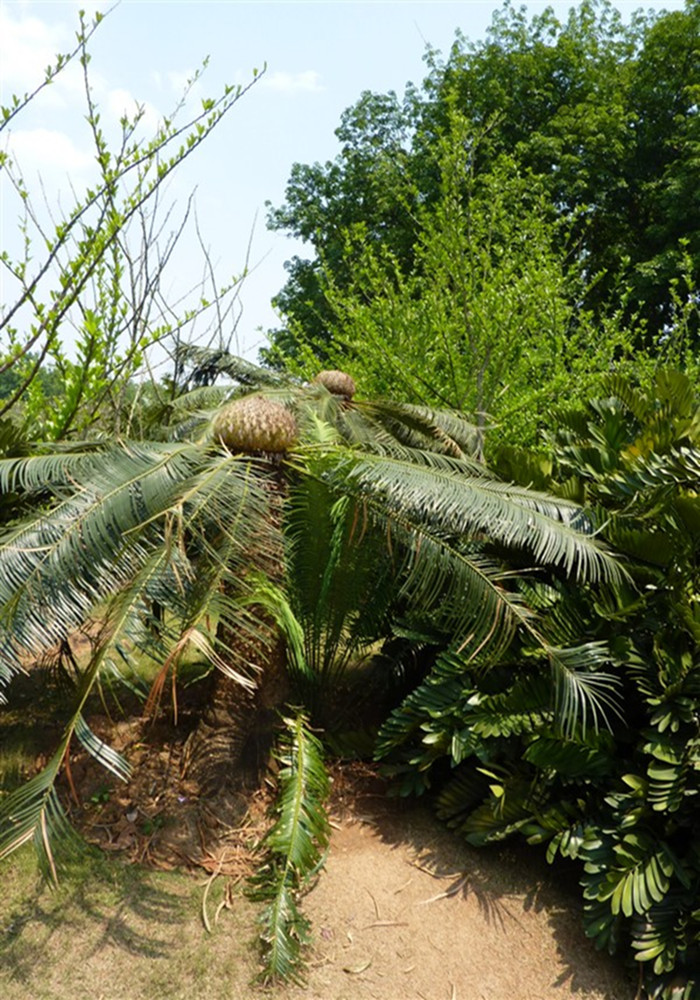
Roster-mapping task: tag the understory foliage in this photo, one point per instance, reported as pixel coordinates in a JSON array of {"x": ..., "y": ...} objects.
[{"x": 614, "y": 786}]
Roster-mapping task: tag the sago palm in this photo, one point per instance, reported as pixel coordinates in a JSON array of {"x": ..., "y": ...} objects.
[{"x": 277, "y": 558}]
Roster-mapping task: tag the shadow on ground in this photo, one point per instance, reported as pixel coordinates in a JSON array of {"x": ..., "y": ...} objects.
[{"x": 406, "y": 909}]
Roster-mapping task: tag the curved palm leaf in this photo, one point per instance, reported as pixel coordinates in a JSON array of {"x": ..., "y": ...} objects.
[
  {"x": 295, "y": 845},
  {"x": 59, "y": 565}
]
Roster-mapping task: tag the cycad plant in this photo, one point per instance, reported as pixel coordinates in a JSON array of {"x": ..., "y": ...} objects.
[
  {"x": 636, "y": 454},
  {"x": 283, "y": 535}
]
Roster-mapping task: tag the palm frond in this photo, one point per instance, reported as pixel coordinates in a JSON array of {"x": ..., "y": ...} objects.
[
  {"x": 340, "y": 578},
  {"x": 38, "y": 473},
  {"x": 59, "y": 565},
  {"x": 33, "y": 811},
  {"x": 273, "y": 600},
  {"x": 206, "y": 364},
  {"x": 295, "y": 844},
  {"x": 101, "y": 751},
  {"x": 455, "y": 502},
  {"x": 584, "y": 695},
  {"x": 423, "y": 428}
]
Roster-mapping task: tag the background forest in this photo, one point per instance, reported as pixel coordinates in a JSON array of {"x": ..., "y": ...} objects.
[{"x": 450, "y": 522}]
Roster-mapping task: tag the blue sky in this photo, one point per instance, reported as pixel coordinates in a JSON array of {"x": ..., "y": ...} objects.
[{"x": 319, "y": 57}]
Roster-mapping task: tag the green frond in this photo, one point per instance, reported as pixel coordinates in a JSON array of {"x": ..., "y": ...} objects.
[
  {"x": 522, "y": 709},
  {"x": 340, "y": 578},
  {"x": 584, "y": 695},
  {"x": 273, "y": 600},
  {"x": 589, "y": 758},
  {"x": 301, "y": 830},
  {"x": 101, "y": 751},
  {"x": 208, "y": 363},
  {"x": 509, "y": 806},
  {"x": 425, "y": 429},
  {"x": 284, "y": 936},
  {"x": 39, "y": 473},
  {"x": 663, "y": 931},
  {"x": 33, "y": 813},
  {"x": 295, "y": 845},
  {"x": 459, "y": 589},
  {"x": 56, "y": 565},
  {"x": 59, "y": 565},
  {"x": 455, "y": 502},
  {"x": 464, "y": 791},
  {"x": 640, "y": 875},
  {"x": 434, "y": 697}
]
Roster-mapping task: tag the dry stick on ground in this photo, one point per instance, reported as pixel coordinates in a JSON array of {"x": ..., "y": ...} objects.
[
  {"x": 376, "y": 907},
  {"x": 210, "y": 880},
  {"x": 385, "y": 923},
  {"x": 448, "y": 892},
  {"x": 428, "y": 871}
]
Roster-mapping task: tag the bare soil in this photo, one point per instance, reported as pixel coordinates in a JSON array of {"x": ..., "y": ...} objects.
[{"x": 405, "y": 909}]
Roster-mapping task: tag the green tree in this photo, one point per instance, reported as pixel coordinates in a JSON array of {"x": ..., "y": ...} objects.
[
  {"x": 364, "y": 185},
  {"x": 603, "y": 113},
  {"x": 488, "y": 319}
]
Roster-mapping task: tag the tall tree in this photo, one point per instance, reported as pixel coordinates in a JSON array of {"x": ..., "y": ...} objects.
[
  {"x": 603, "y": 112},
  {"x": 487, "y": 319}
]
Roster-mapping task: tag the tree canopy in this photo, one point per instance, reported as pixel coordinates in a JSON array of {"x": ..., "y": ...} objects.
[{"x": 603, "y": 113}]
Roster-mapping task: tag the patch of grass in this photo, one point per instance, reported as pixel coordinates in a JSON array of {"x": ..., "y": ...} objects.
[{"x": 120, "y": 932}]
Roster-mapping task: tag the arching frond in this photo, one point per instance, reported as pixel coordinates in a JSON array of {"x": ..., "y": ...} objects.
[
  {"x": 461, "y": 504},
  {"x": 584, "y": 695},
  {"x": 60, "y": 564}
]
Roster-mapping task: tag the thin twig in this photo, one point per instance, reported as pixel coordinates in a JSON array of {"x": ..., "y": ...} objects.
[
  {"x": 444, "y": 895},
  {"x": 376, "y": 907}
]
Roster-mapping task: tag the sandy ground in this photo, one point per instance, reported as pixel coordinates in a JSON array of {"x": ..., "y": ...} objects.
[{"x": 406, "y": 910}]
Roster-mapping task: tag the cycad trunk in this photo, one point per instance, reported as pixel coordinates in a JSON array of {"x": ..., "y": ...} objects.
[{"x": 231, "y": 744}]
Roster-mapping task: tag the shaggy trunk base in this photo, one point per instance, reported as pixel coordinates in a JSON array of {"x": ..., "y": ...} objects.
[{"x": 230, "y": 748}]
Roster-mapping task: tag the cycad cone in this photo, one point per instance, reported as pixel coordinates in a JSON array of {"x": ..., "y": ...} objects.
[
  {"x": 255, "y": 424},
  {"x": 337, "y": 382}
]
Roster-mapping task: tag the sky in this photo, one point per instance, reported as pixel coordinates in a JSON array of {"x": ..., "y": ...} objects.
[{"x": 318, "y": 57}]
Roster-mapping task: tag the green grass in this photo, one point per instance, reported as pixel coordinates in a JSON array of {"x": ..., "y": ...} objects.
[{"x": 120, "y": 933}]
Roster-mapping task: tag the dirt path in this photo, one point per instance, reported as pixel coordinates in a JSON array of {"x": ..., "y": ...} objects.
[{"x": 405, "y": 910}]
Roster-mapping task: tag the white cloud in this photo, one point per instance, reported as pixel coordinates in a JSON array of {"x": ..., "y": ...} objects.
[
  {"x": 48, "y": 150},
  {"x": 121, "y": 102},
  {"x": 291, "y": 83},
  {"x": 28, "y": 47}
]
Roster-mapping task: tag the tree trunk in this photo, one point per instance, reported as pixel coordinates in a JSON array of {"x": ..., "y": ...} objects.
[{"x": 231, "y": 744}]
